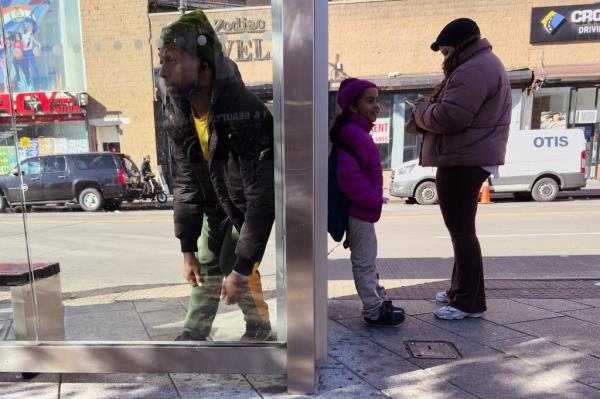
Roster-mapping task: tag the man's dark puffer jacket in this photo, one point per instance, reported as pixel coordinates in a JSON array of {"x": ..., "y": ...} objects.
[{"x": 241, "y": 166}]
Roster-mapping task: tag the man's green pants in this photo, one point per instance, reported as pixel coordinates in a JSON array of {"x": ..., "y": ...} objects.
[{"x": 216, "y": 254}]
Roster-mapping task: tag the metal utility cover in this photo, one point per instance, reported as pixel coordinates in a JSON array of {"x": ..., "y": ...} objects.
[{"x": 432, "y": 350}]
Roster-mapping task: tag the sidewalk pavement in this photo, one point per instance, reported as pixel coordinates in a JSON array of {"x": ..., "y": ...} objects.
[{"x": 538, "y": 339}]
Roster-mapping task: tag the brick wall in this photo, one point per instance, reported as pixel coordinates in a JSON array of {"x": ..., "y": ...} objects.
[
  {"x": 119, "y": 79},
  {"x": 378, "y": 37},
  {"x": 370, "y": 37}
]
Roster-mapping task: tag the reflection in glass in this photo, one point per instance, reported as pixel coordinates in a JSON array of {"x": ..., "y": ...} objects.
[
  {"x": 120, "y": 267},
  {"x": 222, "y": 140}
]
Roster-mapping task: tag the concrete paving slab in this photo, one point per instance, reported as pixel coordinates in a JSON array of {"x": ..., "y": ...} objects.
[
  {"x": 509, "y": 377},
  {"x": 595, "y": 302},
  {"x": 565, "y": 331},
  {"x": 6, "y": 313},
  {"x": 479, "y": 330},
  {"x": 349, "y": 308},
  {"x": 343, "y": 308},
  {"x": 370, "y": 361},
  {"x": 271, "y": 386},
  {"x": 592, "y": 315},
  {"x": 329, "y": 363},
  {"x": 506, "y": 311},
  {"x": 185, "y": 304},
  {"x": 40, "y": 378},
  {"x": 117, "y": 386},
  {"x": 123, "y": 306},
  {"x": 555, "y": 305},
  {"x": 342, "y": 383},
  {"x": 215, "y": 386},
  {"x": 332, "y": 383},
  {"x": 385, "y": 370},
  {"x": 105, "y": 326},
  {"x": 420, "y": 384},
  {"x": 166, "y": 337},
  {"x": 155, "y": 305},
  {"x": 5, "y": 327},
  {"x": 417, "y": 306},
  {"x": 28, "y": 390},
  {"x": 414, "y": 329},
  {"x": 10, "y": 333},
  {"x": 164, "y": 322},
  {"x": 551, "y": 356}
]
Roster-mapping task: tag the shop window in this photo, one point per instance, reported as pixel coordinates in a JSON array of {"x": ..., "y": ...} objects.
[
  {"x": 111, "y": 147},
  {"x": 55, "y": 164},
  {"x": 43, "y": 44},
  {"x": 586, "y": 106},
  {"x": 515, "y": 119},
  {"x": 382, "y": 131},
  {"x": 550, "y": 108}
]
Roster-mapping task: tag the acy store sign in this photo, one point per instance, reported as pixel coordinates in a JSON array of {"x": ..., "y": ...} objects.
[
  {"x": 565, "y": 23},
  {"x": 39, "y": 103}
]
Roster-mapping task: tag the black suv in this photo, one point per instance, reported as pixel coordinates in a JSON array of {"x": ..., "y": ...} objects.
[{"x": 92, "y": 180}]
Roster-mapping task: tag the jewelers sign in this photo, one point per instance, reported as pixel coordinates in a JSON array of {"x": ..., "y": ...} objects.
[
  {"x": 565, "y": 23},
  {"x": 381, "y": 131}
]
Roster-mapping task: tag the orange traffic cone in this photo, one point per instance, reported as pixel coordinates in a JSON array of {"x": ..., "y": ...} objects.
[{"x": 484, "y": 195}]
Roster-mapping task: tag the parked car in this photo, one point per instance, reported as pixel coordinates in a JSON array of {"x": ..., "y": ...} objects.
[
  {"x": 539, "y": 164},
  {"x": 94, "y": 181}
]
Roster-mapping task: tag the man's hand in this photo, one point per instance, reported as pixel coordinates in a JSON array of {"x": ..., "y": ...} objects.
[
  {"x": 191, "y": 269},
  {"x": 233, "y": 286}
]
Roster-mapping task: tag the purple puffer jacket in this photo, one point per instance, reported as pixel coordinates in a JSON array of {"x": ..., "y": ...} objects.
[{"x": 361, "y": 182}]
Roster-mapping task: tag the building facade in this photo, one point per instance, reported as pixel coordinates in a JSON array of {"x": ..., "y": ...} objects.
[{"x": 551, "y": 49}]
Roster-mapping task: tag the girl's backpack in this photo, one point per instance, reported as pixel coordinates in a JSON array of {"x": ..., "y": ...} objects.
[{"x": 337, "y": 203}]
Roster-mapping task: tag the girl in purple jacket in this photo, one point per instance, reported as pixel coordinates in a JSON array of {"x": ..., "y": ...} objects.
[{"x": 360, "y": 179}]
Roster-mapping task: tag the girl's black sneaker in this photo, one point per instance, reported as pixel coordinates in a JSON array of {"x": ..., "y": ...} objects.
[{"x": 389, "y": 316}]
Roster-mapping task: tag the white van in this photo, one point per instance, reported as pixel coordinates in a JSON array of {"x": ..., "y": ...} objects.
[{"x": 539, "y": 163}]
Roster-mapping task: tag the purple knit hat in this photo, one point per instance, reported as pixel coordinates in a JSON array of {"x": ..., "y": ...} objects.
[{"x": 351, "y": 89}]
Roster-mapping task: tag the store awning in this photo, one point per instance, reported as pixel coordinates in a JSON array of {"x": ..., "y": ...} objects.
[
  {"x": 109, "y": 121},
  {"x": 518, "y": 78},
  {"x": 557, "y": 74}
]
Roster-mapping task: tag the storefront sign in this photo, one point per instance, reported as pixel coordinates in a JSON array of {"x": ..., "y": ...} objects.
[
  {"x": 565, "y": 23},
  {"x": 245, "y": 51},
  {"x": 246, "y": 48},
  {"x": 39, "y": 103},
  {"x": 240, "y": 25},
  {"x": 381, "y": 131}
]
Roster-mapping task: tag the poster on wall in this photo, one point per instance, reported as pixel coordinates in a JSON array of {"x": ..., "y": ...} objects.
[
  {"x": 381, "y": 131},
  {"x": 8, "y": 159},
  {"x": 35, "y": 37}
]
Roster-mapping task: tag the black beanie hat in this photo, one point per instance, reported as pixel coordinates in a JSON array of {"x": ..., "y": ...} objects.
[{"x": 455, "y": 33}]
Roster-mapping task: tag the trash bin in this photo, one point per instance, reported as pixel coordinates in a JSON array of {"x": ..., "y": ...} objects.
[{"x": 50, "y": 310}]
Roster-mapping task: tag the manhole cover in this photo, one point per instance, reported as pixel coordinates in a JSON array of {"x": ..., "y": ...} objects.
[{"x": 432, "y": 350}]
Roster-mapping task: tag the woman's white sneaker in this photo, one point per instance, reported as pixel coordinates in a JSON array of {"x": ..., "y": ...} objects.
[
  {"x": 450, "y": 313},
  {"x": 442, "y": 297}
]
